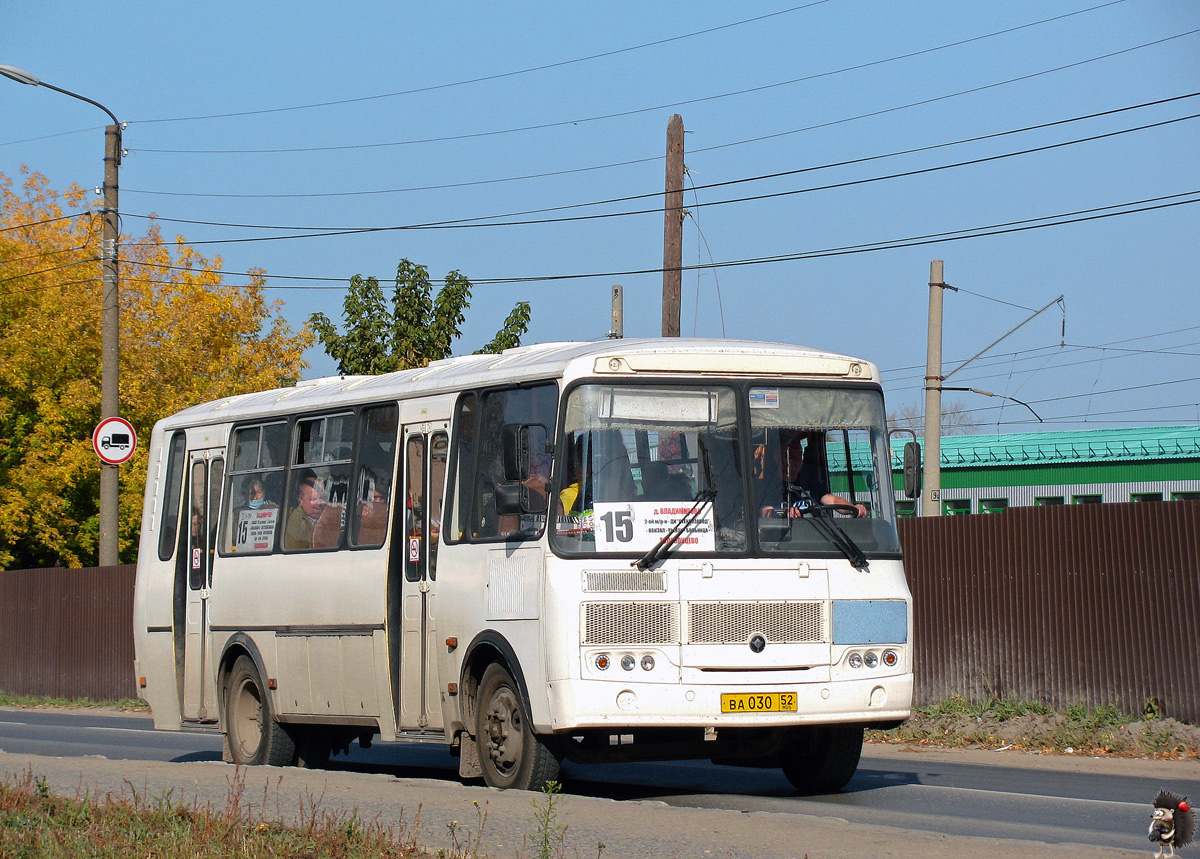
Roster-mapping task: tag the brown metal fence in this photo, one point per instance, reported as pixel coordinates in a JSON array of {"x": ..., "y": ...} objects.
[
  {"x": 67, "y": 633},
  {"x": 1090, "y": 603}
]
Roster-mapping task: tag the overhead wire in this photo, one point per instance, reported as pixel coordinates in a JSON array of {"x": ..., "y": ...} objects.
[
  {"x": 499, "y": 75},
  {"x": 1060, "y": 219},
  {"x": 481, "y": 221},
  {"x": 678, "y": 104}
]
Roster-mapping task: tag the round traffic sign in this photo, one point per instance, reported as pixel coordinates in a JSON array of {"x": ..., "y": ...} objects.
[{"x": 114, "y": 440}]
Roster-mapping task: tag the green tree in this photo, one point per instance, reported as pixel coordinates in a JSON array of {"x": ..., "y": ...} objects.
[
  {"x": 419, "y": 327},
  {"x": 187, "y": 336}
]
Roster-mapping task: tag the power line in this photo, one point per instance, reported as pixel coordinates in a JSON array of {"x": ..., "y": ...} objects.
[
  {"x": 48, "y": 270},
  {"x": 1007, "y": 355},
  {"x": 40, "y": 223},
  {"x": 761, "y": 177},
  {"x": 672, "y": 105},
  {"x": 473, "y": 222},
  {"x": 498, "y": 76},
  {"x": 1062, "y": 219}
]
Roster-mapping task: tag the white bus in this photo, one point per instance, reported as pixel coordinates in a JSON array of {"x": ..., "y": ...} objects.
[{"x": 615, "y": 551}]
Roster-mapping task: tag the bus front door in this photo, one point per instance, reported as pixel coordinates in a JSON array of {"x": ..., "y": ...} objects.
[
  {"x": 194, "y": 580},
  {"x": 423, "y": 470}
]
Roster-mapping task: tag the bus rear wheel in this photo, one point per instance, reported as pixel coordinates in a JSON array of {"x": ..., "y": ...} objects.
[
  {"x": 253, "y": 735},
  {"x": 822, "y": 758},
  {"x": 510, "y": 753}
]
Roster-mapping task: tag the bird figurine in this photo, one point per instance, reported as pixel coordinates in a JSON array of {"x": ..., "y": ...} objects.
[{"x": 1173, "y": 823}]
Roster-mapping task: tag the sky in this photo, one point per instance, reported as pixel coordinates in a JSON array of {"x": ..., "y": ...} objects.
[{"x": 833, "y": 150}]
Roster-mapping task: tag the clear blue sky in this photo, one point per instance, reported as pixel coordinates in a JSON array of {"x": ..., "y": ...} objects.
[{"x": 448, "y": 109}]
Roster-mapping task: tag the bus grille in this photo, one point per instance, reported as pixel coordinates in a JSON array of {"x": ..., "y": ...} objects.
[
  {"x": 625, "y": 581},
  {"x": 607, "y": 623},
  {"x": 780, "y": 622}
]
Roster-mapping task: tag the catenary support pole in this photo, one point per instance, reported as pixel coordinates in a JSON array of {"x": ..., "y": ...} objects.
[{"x": 931, "y": 482}]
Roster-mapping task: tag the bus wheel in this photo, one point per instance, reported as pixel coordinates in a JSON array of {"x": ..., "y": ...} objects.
[
  {"x": 822, "y": 758},
  {"x": 510, "y": 753},
  {"x": 253, "y": 735}
]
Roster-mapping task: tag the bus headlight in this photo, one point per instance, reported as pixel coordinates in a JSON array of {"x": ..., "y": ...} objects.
[
  {"x": 647, "y": 662},
  {"x": 855, "y": 660},
  {"x": 627, "y": 662},
  {"x": 871, "y": 660}
]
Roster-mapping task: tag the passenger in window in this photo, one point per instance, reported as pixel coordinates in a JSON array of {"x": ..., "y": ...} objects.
[
  {"x": 256, "y": 496},
  {"x": 311, "y": 521},
  {"x": 372, "y": 518},
  {"x": 804, "y": 482}
]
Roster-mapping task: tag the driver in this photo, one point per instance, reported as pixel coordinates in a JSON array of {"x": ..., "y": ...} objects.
[{"x": 805, "y": 486}]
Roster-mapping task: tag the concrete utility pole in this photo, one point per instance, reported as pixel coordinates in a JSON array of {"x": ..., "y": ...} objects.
[
  {"x": 110, "y": 313},
  {"x": 931, "y": 504},
  {"x": 673, "y": 229}
]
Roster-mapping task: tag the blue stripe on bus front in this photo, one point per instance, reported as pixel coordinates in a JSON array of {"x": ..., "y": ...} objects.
[{"x": 870, "y": 622}]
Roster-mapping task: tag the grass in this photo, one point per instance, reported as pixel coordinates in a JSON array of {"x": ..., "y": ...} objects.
[
  {"x": 36, "y": 824},
  {"x": 130, "y": 705},
  {"x": 957, "y": 722}
]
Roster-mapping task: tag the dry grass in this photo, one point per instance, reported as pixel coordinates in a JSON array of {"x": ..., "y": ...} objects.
[
  {"x": 36, "y": 824},
  {"x": 1079, "y": 729}
]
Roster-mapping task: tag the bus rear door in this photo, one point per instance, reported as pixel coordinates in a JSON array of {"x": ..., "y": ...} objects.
[{"x": 206, "y": 474}]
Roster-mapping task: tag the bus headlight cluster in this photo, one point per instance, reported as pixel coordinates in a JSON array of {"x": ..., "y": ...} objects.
[
  {"x": 872, "y": 660},
  {"x": 628, "y": 662}
]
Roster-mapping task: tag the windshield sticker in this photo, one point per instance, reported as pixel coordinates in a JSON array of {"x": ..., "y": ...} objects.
[
  {"x": 764, "y": 398},
  {"x": 638, "y": 526}
]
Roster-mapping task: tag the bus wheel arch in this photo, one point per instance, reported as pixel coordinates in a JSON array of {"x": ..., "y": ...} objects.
[
  {"x": 251, "y": 734},
  {"x": 500, "y": 743}
]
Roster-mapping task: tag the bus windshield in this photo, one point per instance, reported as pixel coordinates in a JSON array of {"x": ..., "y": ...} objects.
[{"x": 715, "y": 469}]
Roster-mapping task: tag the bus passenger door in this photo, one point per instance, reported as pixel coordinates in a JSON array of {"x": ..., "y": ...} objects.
[
  {"x": 424, "y": 478},
  {"x": 194, "y": 578}
]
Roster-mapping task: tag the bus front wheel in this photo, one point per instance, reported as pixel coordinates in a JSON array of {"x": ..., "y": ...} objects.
[
  {"x": 822, "y": 758},
  {"x": 253, "y": 735},
  {"x": 510, "y": 753}
]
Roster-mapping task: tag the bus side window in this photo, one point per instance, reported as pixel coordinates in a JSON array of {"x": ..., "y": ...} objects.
[
  {"x": 376, "y": 455},
  {"x": 319, "y": 484},
  {"x": 459, "y": 493},
  {"x": 254, "y": 489},
  {"x": 169, "y": 520}
]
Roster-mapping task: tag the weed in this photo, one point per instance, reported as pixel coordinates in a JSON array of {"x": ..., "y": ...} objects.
[{"x": 549, "y": 834}]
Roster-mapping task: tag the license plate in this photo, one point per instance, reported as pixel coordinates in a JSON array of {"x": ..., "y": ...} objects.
[{"x": 758, "y": 702}]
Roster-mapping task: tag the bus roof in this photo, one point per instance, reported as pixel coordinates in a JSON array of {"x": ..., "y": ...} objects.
[{"x": 622, "y": 359}]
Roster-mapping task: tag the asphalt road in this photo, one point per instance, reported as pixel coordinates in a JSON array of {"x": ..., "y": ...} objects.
[{"x": 903, "y": 802}]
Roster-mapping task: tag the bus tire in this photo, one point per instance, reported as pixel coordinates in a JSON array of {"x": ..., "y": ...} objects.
[
  {"x": 511, "y": 755},
  {"x": 822, "y": 758},
  {"x": 252, "y": 734}
]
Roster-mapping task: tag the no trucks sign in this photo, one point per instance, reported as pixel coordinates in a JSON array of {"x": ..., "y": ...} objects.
[{"x": 114, "y": 440}]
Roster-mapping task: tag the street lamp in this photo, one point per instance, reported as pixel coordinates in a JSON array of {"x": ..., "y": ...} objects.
[{"x": 110, "y": 319}]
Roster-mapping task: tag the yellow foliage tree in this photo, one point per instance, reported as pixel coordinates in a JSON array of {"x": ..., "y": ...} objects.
[{"x": 187, "y": 336}]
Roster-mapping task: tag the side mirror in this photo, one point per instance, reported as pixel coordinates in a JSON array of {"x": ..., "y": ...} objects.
[
  {"x": 912, "y": 469},
  {"x": 521, "y": 446}
]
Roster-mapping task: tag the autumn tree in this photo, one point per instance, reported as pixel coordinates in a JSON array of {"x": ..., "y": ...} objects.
[
  {"x": 187, "y": 336},
  {"x": 417, "y": 327}
]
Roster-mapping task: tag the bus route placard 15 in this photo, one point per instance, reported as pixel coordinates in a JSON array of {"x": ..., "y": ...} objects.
[{"x": 114, "y": 440}]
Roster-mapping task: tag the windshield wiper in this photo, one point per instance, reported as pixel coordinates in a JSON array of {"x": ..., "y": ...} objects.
[
  {"x": 823, "y": 522},
  {"x": 663, "y": 547}
]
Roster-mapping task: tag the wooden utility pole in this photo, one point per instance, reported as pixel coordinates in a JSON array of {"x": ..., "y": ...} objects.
[{"x": 673, "y": 228}]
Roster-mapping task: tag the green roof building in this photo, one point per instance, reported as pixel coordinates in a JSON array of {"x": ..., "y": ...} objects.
[{"x": 990, "y": 473}]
